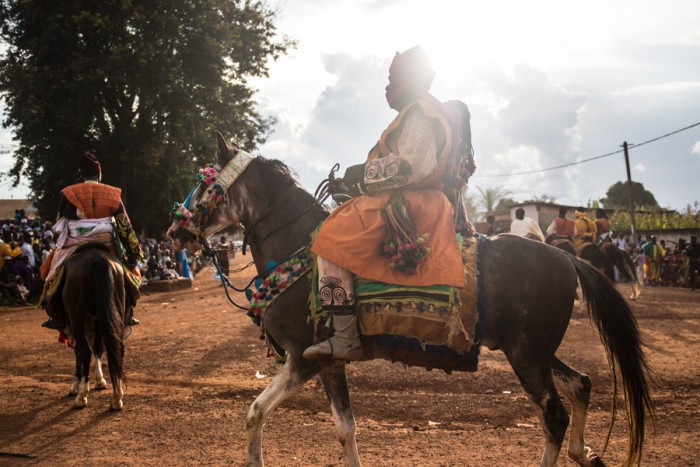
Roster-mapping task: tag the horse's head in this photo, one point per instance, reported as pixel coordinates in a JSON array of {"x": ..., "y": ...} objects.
[{"x": 215, "y": 202}]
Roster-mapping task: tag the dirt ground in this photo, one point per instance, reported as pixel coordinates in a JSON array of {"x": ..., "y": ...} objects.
[{"x": 195, "y": 364}]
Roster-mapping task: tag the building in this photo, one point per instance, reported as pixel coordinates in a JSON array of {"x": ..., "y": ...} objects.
[{"x": 9, "y": 206}]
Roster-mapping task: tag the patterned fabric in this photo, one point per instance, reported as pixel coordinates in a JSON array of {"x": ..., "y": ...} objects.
[
  {"x": 127, "y": 236},
  {"x": 336, "y": 288},
  {"x": 93, "y": 200},
  {"x": 281, "y": 277},
  {"x": 438, "y": 314},
  {"x": 412, "y": 155}
]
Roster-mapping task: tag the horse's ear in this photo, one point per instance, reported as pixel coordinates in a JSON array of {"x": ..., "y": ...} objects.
[{"x": 224, "y": 152}]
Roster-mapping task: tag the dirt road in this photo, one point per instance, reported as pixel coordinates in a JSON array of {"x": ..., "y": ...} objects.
[{"x": 195, "y": 364}]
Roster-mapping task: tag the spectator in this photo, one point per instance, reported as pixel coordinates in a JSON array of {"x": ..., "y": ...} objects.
[
  {"x": 23, "y": 291},
  {"x": 169, "y": 272},
  {"x": 25, "y": 244},
  {"x": 8, "y": 285},
  {"x": 183, "y": 265},
  {"x": 222, "y": 255},
  {"x": 21, "y": 268}
]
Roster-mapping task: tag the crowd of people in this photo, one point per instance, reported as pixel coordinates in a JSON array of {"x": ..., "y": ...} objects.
[
  {"x": 163, "y": 262},
  {"x": 663, "y": 263},
  {"x": 25, "y": 244}
]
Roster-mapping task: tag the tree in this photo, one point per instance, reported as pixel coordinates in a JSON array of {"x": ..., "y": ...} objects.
[
  {"x": 142, "y": 84},
  {"x": 541, "y": 199},
  {"x": 617, "y": 196},
  {"x": 491, "y": 197}
]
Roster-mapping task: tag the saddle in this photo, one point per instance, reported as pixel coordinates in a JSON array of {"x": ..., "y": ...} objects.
[{"x": 52, "y": 292}]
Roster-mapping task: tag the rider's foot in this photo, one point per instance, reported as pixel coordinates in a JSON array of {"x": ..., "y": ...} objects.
[
  {"x": 53, "y": 324},
  {"x": 132, "y": 321}
]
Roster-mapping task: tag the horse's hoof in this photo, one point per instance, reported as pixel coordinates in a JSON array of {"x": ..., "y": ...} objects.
[
  {"x": 101, "y": 385},
  {"x": 593, "y": 459},
  {"x": 79, "y": 403},
  {"x": 116, "y": 406}
]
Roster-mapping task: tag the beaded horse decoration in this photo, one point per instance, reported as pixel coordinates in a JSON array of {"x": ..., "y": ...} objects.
[{"x": 217, "y": 182}]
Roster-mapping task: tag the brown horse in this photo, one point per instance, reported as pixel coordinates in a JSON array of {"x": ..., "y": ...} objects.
[
  {"x": 93, "y": 296},
  {"x": 606, "y": 258},
  {"x": 530, "y": 290}
]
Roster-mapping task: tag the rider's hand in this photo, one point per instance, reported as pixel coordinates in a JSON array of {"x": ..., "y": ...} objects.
[
  {"x": 352, "y": 179},
  {"x": 336, "y": 186}
]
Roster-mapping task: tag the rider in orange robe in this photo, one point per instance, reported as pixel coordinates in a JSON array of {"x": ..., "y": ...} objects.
[
  {"x": 85, "y": 201},
  {"x": 408, "y": 162}
]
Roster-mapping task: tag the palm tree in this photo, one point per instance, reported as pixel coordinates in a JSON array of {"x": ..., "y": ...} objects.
[{"x": 490, "y": 197}]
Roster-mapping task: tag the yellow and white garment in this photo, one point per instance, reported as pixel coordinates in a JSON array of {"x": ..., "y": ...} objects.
[{"x": 73, "y": 233}]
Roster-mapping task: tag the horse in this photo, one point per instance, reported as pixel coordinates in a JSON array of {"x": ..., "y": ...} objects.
[
  {"x": 607, "y": 257},
  {"x": 530, "y": 288},
  {"x": 93, "y": 296}
]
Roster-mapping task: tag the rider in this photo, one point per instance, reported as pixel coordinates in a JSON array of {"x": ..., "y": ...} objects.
[
  {"x": 100, "y": 203},
  {"x": 405, "y": 172},
  {"x": 586, "y": 230},
  {"x": 561, "y": 228},
  {"x": 602, "y": 224},
  {"x": 526, "y": 227}
]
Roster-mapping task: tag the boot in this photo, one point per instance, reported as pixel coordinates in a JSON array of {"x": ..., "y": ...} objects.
[
  {"x": 129, "y": 319},
  {"x": 344, "y": 344},
  {"x": 52, "y": 323}
]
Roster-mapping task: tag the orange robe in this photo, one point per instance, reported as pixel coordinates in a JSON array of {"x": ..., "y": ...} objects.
[
  {"x": 95, "y": 200},
  {"x": 354, "y": 233}
]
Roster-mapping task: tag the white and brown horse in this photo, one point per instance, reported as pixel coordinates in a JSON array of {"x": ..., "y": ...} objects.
[{"x": 530, "y": 288}]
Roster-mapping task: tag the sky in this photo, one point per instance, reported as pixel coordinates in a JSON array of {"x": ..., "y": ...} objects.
[{"x": 548, "y": 83}]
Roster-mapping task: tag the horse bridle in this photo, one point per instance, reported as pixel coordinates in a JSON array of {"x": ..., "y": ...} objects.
[{"x": 193, "y": 221}]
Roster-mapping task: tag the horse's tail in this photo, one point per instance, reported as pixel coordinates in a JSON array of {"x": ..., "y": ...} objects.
[
  {"x": 619, "y": 333},
  {"x": 109, "y": 318}
]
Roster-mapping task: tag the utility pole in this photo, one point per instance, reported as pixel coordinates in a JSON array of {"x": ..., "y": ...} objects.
[{"x": 629, "y": 194}]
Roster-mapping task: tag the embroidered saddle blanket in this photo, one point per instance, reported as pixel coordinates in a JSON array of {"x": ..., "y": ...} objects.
[{"x": 435, "y": 315}]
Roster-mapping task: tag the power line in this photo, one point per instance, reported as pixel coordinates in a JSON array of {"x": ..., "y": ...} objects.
[{"x": 631, "y": 146}]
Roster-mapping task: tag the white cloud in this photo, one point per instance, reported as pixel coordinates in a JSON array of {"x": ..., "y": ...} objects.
[
  {"x": 640, "y": 168},
  {"x": 660, "y": 88},
  {"x": 696, "y": 148}
]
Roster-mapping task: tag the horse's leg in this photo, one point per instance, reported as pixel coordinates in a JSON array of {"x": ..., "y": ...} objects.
[
  {"x": 631, "y": 269},
  {"x": 73, "y": 391},
  {"x": 336, "y": 385},
  {"x": 116, "y": 402},
  {"x": 576, "y": 387},
  {"x": 536, "y": 379},
  {"x": 83, "y": 355},
  {"x": 290, "y": 378},
  {"x": 100, "y": 382}
]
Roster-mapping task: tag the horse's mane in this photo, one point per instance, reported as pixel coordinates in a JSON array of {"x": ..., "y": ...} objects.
[{"x": 277, "y": 172}]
